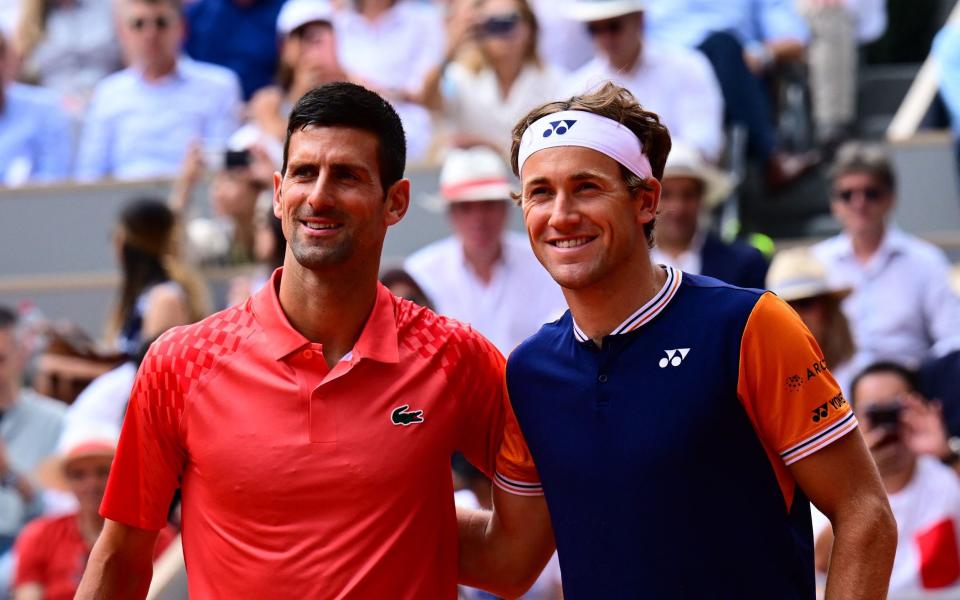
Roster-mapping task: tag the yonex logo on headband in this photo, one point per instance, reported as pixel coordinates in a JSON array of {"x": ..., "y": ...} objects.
[
  {"x": 593, "y": 131},
  {"x": 559, "y": 127}
]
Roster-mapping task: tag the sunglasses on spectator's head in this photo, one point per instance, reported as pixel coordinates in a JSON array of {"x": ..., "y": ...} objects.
[
  {"x": 140, "y": 23},
  {"x": 611, "y": 26},
  {"x": 871, "y": 194}
]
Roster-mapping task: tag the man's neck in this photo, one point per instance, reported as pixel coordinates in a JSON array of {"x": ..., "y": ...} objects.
[
  {"x": 629, "y": 62},
  {"x": 8, "y": 398},
  {"x": 897, "y": 479},
  {"x": 866, "y": 244},
  {"x": 90, "y": 525},
  {"x": 483, "y": 263},
  {"x": 158, "y": 71},
  {"x": 600, "y": 308},
  {"x": 374, "y": 9},
  {"x": 327, "y": 309},
  {"x": 675, "y": 246}
]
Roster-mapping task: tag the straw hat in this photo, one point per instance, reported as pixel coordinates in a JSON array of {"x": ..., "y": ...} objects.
[
  {"x": 470, "y": 175},
  {"x": 297, "y": 13},
  {"x": 598, "y": 10},
  {"x": 79, "y": 440},
  {"x": 796, "y": 274},
  {"x": 686, "y": 161}
]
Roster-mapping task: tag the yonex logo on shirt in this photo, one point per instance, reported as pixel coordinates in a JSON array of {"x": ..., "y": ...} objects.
[
  {"x": 674, "y": 357},
  {"x": 559, "y": 127}
]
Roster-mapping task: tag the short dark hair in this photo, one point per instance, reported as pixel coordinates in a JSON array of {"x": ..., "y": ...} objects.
[
  {"x": 908, "y": 375},
  {"x": 618, "y": 104},
  {"x": 343, "y": 104},
  {"x": 864, "y": 157},
  {"x": 9, "y": 319},
  {"x": 176, "y": 5}
]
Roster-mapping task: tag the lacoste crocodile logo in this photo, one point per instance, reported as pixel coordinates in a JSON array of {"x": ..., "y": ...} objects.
[{"x": 400, "y": 416}]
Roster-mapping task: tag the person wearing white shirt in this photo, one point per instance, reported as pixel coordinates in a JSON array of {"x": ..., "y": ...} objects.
[
  {"x": 674, "y": 82},
  {"x": 142, "y": 120},
  {"x": 902, "y": 307},
  {"x": 484, "y": 275},
  {"x": 390, "y": 46},
  {"x": 924, "y": 493}
]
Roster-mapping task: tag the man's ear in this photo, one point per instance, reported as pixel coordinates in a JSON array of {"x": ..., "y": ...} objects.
[
  {"x": 647, "y": 201},
  {"x": 277, "y": 195},
  {"x": 397, "y": 201}
]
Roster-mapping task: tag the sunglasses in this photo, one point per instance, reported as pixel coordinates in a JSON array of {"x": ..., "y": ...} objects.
[
  {"x": 610, "y": 26},
  {"x": 141, "y": 23},
  {"x": 870, "y": 194},
  {"x": 500, "y": 25}
]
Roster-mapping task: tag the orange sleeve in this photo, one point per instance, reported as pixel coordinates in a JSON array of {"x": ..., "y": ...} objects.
[
  {"x": 516, "y": 472},
  {"x": 786, "y": 386}
]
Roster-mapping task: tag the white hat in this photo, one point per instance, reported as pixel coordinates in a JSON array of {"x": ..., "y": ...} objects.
[
  {"x": 297, "y": 13},
  {"x": 80, "y": 439},
  {"x": 686, "y": 161},
  {"x": 598, "y": 10},
  {"x": 471, "y": 175},
  {"x": 796, "y": 274}
]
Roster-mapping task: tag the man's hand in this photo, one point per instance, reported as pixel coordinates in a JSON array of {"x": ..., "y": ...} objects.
[{"x": 924, "y": 429}]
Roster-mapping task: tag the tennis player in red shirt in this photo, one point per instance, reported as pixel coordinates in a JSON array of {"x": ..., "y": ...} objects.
[{"x": 311, "y": 427}]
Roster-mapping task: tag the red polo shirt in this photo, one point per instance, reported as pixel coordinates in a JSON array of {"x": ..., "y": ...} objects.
[{"x": 307, "y": 482}]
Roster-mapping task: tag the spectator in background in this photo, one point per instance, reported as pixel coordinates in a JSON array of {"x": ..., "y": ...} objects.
[
  {"x": 483, "y": 274},
  {"x": 237, "y": 34},
  {"x": 838, "y": 28},
  {"x": 742, "y": 39},
  {"x": 156, "y": 291},
  {"x": 142, "y": 120},
  {"x": 269, "y": 246},
  {"x": 689, "y": 188},
  {"x": 30, "y": 425},
  {"x": 390, "y": 46},
  {"x": 946, "y": 53},
  {"x": 676, "y": 83},
  {"x": 902, "y": 307},
  {"x": 402, "y": 285},
  {"x": 562, "y": 41},
  {"x": 801, "y": 280},
  {"x": 308, "y": 58},
  {"x": 924, "y": 494},
  {"x": 68, "y": 46},
  {"x": 498, "y": 75},
  {"x": 52, "y": 551},
  {"x": 35, "y": 135}
]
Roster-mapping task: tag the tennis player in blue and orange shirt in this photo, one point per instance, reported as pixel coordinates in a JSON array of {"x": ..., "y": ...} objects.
[{"x": 680, "y": 425}]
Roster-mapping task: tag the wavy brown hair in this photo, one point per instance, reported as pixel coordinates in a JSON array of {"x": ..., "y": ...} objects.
[{"x": 618, "y": 104}]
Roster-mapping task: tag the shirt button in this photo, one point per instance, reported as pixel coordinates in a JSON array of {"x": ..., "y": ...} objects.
[
  {"x": 307, "y": 354},
  {"x": 602, "y": 378}
]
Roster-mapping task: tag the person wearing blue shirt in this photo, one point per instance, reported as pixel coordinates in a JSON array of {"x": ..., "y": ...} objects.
[
  {"x": 35, "y": 132},
  {"x": 237, "y": 34},
  {"x": 680, "y": 426},
  {"x": 142, "y": 120}
]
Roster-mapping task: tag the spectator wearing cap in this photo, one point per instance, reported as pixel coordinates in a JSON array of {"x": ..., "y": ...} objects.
[
  {"x": 52, "y": 551},
  {"x": 391, "y": 46},
  {"x": 901, "y": 308},
  {"x": 308, "y": 58},
  {"x": 676, "y": 83},
  {"x": 236, "y": 34},
  {"x": 142, "y": 120},
  {"x": 924, "y": 494},
  {"x": 30, "y": 425},
  {"x": 498, "y": 75},
  {"x": 801, "y": 280},
  {"x": 35, "y": 133},
  {"x": 689, "y": 188},
  {"x": 484, "y": 275}
]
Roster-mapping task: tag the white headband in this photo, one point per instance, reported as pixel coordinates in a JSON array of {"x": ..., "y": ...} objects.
[{"x": 588, "y": 130}]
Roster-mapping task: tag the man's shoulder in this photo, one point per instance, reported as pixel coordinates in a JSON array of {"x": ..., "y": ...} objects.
[
  {"x": 937, "y": 480},
  {"x": 33, "y": 97},
  {"x": 421, "y": 330},
  {"x": 439, "y": 253},
  {"x": 548, "y": 339},
  {"x": 48, "y": 527},
  {"x": 206, "y": 73},
  {"x": 39, "y": 406},
  {"x": 118, "y": 81},
  {"x": 918, "y": 249}
]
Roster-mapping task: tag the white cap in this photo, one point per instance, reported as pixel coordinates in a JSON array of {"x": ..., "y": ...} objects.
[
  {"x": 297, "y": 13},
  {"x": 796, "y": 274},
  {"x": 686, "y": 161},
  {"x": 598, "y": 10},
  {"x": 471, "y": 175},
  {"x": 80, "y": 439}
]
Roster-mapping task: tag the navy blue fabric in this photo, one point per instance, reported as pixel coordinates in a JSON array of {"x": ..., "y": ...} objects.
[
  {"x": 241, "y": 37},
  {"x": 738, "y": 263},
  {"x": 657, "y": 484}
]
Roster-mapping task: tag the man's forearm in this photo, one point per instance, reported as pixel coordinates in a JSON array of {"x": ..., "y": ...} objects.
[
  {"x": 862, "y": 557},
  {"x": 109, "y": 577}
]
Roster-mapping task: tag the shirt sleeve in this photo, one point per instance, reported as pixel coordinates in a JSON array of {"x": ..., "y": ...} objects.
[
  {"x": 779, "y": 20},
  {"x": 490, "y": 436},
  {"x": 31, "y": 556},
  {"x": 785, "y": 384},
  {"x": 942, "y": 308},
  {"x": 94, "y": 152},
  {"x": 150, "y": 456}
]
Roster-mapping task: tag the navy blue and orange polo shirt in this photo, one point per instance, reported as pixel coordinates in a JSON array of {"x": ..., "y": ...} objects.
[{"x": 663, "y": 453}]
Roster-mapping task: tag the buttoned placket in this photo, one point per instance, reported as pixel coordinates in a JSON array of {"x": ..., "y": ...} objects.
[{"x": 313, "y": 375}]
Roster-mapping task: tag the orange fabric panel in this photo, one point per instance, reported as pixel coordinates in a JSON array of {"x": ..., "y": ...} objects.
[{"x": 787, "y": 390}]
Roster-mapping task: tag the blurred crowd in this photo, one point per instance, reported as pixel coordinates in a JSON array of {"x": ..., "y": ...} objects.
[{"x": 199, "y": 92}]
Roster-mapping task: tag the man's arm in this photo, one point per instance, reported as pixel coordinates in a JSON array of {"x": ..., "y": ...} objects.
[
  {"x": 120, "y": 565},
  {"x": 504, "y": 551},
  {"x": 842, "y": 481}
]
